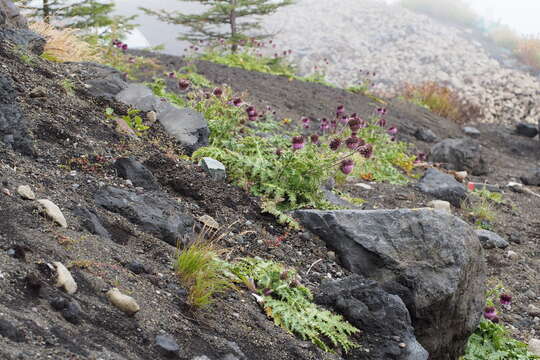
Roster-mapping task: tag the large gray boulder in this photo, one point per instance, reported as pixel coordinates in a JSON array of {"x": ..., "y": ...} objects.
[
  {"x": 442, "y": 186},
  {"x": 431, "y": 259},
  {"x": 459, "y": 154},
  {"x": 10, "y": 17},
  {"x": 383, "y": 318},
  {"x": 154, "y": 212},
  {"x": 140, "y": 97}
]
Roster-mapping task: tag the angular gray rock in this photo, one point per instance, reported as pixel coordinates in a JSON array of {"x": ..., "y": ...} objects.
[
  {"x": 432, "y": 260},
  {"x": 426, "y": 135},
  {"x": 526, "y": 129},
  {"x": 187, "y": 126},
  {"x": 442, "y": 186},
  {"x": 107, "y": 86},
  {"x": 10, "y": 16},
  {"x": 91, "y": 222},
  {"x": 140, "y": 97},
  {"x": 471, "y": 131},
  {"x": 383, "y": 318},
  {"x": 214, "y": 168},
  {"x": 167, "y": 345},
  {"x": 532, "y": 177},
  {"x": 490, "y": 240},
  {"x": 129, "y": 168},
  {"x": 459, "y": 154},
  {"x": 154, "y": 212},
  {"x": 23, "y": 39}
]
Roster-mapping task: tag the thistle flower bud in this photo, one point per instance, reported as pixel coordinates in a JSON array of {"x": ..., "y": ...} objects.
[
  {"x": 314, "y": 139},
  {"x": 355, "y": 124},
  {"x": 354, "y": 142},
  {"x": 237, "y": 102},
  {"x": 381, "y": 111},
  {"x": 392, "y": 130},
  {"x": 335, "y": 144},
  {"x": 347, "y": 166},
  {"x": 183, "y": 84},
  {"x": 505, "y": 299},
  {"x": 381, "y": 122},
  {"x": 284, "y": 275},
  {"x": 279, "y": 152},
  {"x": 366, "y": 150},
  {"x": 124, "y": 47},
  {"x": 490, "y": 313},
  {"x": 297, "y": 142},
  {"x": 340, "y": 110},
  {"x": 218, "y": 92}
]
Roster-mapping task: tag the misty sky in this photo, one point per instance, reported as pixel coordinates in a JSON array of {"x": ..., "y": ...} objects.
[{"x": 522, "y": 15}]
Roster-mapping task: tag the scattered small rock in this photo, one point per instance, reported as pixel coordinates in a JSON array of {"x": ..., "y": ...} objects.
[
  {"x": 8, "y": 330},
  {"x": 123, "y": 302},
  {"x": 526, "y": 129},
  {"x": 26, "y": 192},
  {"x": 6, "y": 192},
  {"x": 168, "y": 345},
  {"x": 151, "y": 116},
  {"x": 72, "y": 312},
  {"x": 53, "y": 212},
  {"x": 490, "y": 240},
  {"x": 136, "y": 268},
  {"x": 64, "y": 278},
  {"x": 214, "y": 168},
  {"x": 534, "y": 346},
  {"x": 38, "y": 92},
  {"x": 471, "y": 131},
  {"x": 515, "y": 238},
  {"x": 440, "y": 205},
  {"x": 426, "y": 135},
  {"x": 92, "y": 222},
  {"x": 512, "y": 255},
  {"x": 460, "y": 175},
  {"x": 532, "y": 177},
  {"x": 129, "y": 168},
  {"x": 363, "y": 186},
  {"x": 209, "y": 221},
  {"x": 533, "y": 310},
  {"x": 442, "y": 186}
]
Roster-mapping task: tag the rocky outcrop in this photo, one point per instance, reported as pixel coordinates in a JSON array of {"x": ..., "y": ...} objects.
[
  {"x": 459, "y": 155},
  {"x": 155, "y": 213},
  {"x": 10, "y": 16},
  {"x": 384, "y": 320},
  {"x": 442, "y": 186},
  {"x": 432, "y": 260}
]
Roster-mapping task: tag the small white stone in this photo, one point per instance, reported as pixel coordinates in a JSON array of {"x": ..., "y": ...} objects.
[
  {"x": 460, "y": 175},
  {"x": 123, "y": 302},
  {"x": 533, "y": 310},
  {"x": 440, "y": 205},
  {"x": 363, "y": 186},
  {"x": 26, "y": 192},
  {"x": 64, "y": 278},
  {"x": 53, "y": 212},
  {"x": 512, "y": 255},
  {"x": 129, "y": 182},
  {"x": 534, "y": 346},
  {"x": 6, "y": 192},
  {"x": 151, "y": 116},
  {"x": 209, "y": 221}
]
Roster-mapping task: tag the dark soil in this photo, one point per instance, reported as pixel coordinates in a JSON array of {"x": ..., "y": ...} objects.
[{"x": 75, "y": 146}]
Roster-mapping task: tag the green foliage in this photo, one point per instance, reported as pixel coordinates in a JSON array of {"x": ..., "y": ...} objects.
[
  {"x": 201, "y": 273},
  {"x": 494, "y": 197},
  {"x": 68, "y": 86},
  {"x": 196, "y": 80},
  {"x": 132, "y": 118},
  {"x": 490, "y": 341},
  {"x": 159, "y": 89},
  {"x": 291, "y": 305},
  {"x": 247, "y": 60},
  {"x": 228, "y": 20}
]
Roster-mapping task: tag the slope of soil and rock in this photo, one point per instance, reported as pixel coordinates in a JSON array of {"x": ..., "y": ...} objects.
[{"x": 119, "y": 232}]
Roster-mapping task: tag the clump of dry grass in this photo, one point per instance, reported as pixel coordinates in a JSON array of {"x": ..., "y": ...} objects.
[
  {"x": 528, "y": 51},
  {"x": 63, "y": 44},
  {"x": 441, "y": 100}
]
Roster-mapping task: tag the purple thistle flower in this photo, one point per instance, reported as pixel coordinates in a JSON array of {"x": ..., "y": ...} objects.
[
  {"x": 218, "y": 92},
  {"x": 314, "y": 139},
  {"x": 381, "y": 122},
  {"x": 347, "y": 166},
  {"x": 335, "y": 144},
  {"x": 124, "y": 47},
  {"x": 172, "y": 75},
  {"x": 237, "y": 102},
  {"x": 421, "y": 157},
  {"x": 366, "y": 150},
  {"x": 354, "y": 142},
  {"x": 340, "y": 110},
  {"x": 392, "y": 131},
  {"x": 490, "y": 313},
  {"x": 344, "y": 120},
  {"x": 324, "y": 124},
  {"x": 297, "y": 142},
  {"x": 381, "y": 111},
  {"x": 505, "y": 299},
  {"x": 184, "y": 84},
  {"x": 355, "y": 124}
]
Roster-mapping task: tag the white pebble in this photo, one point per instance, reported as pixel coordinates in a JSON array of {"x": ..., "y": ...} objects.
[
  {"x": 53, "y": 212},
  {"x": 123, "y": 302},
  {"x": 64, "y": 278}
]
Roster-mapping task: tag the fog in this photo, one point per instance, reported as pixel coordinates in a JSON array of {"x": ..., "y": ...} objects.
[{"x": 521, "y": 15}]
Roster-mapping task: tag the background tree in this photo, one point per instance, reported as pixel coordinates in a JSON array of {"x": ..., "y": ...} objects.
[
  {"x": 230, "y": 20},
  {"x": 78, "y": 14}
]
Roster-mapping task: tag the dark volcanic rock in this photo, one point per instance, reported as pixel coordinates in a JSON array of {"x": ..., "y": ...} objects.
[
  {"x": 490, "y": 240},
  {"x": 432, "y": 260},
  {"x": 129, "y": 168},
  {"x": 13, "y": 130},
  {"x": 525, "y": 129},
  {"x": 424, "y": 134},
  {"x": 532, "y": 177},
  {"x": 459, "y": 154},
  {"x": 23, "y": 39},
  {"x": 383, "y": 318},
  {"x": 156, "y": 214},
  {"x": 167, "y": 345},
  {"x": 92, "y": 222},
  {"x": 10, "y": 16},
  {"x": 9, "y": 331},
  {"x": 442, "y": 186}
]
